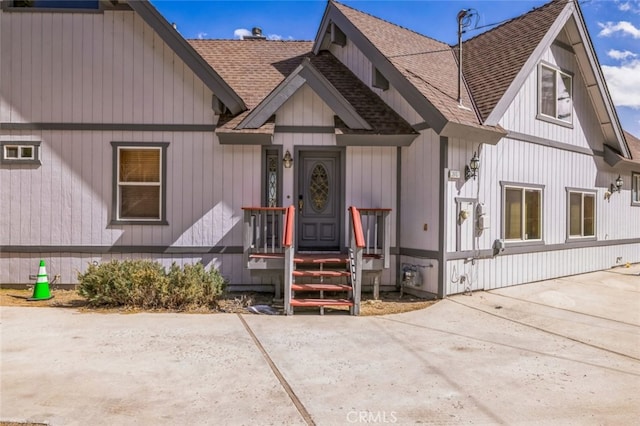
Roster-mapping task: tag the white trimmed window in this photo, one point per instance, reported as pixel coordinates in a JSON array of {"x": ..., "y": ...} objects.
[
  {"x": 635, "y": 189},
  {"x": 582, "y": 214},
  {"x": 522, "y": 213},
  {"x": 555, "y": 94},
  {"x": 20, "y": 152},
  {"x": 140, "y": 183}
]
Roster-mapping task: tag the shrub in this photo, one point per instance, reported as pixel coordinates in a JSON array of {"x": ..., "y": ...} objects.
[{"x": 145, "y": 284}]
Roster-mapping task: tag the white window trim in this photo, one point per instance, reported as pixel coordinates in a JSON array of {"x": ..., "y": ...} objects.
[
  {"x": 549, "y": 118},
  {"x": 523, "y": 188},
  {"x": 582, "y": 237},
  {"x": 162, "y": 184},
  {"x": 20, "y": 145},
  {"x": 635, "y": 188}
]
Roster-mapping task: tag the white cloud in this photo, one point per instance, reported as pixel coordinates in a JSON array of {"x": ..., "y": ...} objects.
[
  {"x": 620, "y": 55},
  {"x": 241, "y": 33},
  {"x": 278, "y": 37},
  {"x": 624, "y": 83},
  {"x": 629, "y": 6},
  {"x": 624, "y": 27},
  {"x": 201, "y": 36}
]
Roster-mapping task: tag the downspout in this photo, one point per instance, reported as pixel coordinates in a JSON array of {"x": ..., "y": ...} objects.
[
  {"x": 398, "y": 210},
  {"x": 442, "y": 247}
]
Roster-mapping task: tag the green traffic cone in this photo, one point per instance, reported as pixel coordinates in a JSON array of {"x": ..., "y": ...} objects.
[{"x": 41, "y": 289}]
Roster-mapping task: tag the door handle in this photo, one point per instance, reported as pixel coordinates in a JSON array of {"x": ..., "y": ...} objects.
[{"x": 300, "y": 203}]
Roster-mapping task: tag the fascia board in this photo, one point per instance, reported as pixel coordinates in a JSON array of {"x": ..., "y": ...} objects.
[
  {"x": 512, "y": 91},
  {"x": 273, "y": 101},
  {"x": 602, "y": 86},
  {"x": 333, "y": 98},
  {"x": 183, "y": 49},
  {"x": 412, "y": 95}
]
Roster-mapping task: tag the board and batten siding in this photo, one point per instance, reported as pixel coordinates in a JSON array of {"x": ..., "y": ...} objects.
[
  {"x": 108, "y": 67},
  {"x": 520, "y": 116},
  {"x": 111, "y": 68}
]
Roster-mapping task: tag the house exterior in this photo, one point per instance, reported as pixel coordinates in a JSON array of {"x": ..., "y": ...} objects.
[{"x": 140, "y": 144}]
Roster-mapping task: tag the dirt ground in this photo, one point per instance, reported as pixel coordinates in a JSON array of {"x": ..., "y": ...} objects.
[{"x": 389, "y": 303}]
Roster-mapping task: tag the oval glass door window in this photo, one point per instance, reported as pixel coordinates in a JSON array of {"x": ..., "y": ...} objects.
[{"x": 319, "y": 188}]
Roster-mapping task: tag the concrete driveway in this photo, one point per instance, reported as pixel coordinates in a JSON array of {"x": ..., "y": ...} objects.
[{"x": 565, "y": 351}]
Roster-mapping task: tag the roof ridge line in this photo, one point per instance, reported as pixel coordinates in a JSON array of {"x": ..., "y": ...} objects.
[
  {"x": 510, "y": 20},
  {"x": 389, "y": 22},
  {"x": 239, "y": 40}
]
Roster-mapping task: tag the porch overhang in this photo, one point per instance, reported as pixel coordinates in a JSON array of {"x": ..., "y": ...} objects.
[
  {"x": 240, "y": 138},
  {"x": 350, "y": 139}
]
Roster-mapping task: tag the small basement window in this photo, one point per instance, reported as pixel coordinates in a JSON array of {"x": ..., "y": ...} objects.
[{"x": 21, "y": 152}]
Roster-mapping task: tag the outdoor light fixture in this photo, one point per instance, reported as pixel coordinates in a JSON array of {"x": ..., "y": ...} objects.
[
  {"x": 287, "y": 160},
  {"x": 471, "y": 171},
  {"x": 615, "y": 187}
]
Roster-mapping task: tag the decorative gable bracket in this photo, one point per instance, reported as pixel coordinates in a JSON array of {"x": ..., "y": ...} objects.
[{"x": 305, "y": 73}]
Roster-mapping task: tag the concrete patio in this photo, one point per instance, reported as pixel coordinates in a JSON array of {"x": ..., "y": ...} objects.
[{"x": 565, "y": 351}]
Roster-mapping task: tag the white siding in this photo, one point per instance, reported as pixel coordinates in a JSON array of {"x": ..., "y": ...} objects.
[
  {"x": 521, "y": 115},
  {"x": 420, "y": 193},
  {"x": 503, "y": 271},
  {"x": 106, "y": 67},
  {"x": 557, "y": 170}
]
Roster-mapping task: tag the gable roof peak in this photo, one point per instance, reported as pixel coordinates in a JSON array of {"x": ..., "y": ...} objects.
[{"x": 509, "y": 21}]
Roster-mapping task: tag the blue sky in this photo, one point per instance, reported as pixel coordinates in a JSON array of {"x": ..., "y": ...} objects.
[{"x": 614, "y": 26}]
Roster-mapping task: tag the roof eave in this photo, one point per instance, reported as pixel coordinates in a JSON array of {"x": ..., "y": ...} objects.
[{"x": 481, "y": 134}]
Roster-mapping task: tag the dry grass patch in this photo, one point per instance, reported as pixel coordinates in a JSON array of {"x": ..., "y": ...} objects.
[{"x": 389, "y": 303}]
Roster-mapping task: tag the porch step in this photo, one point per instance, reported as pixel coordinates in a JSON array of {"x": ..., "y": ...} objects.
[
  {"x": 321, "y": 259},
  {"x": 317, "y": 273},
  {"x": 321, "y": 287},
  {"x": 321, "y": 302}
]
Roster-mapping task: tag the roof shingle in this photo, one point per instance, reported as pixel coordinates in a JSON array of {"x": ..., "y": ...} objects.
[
  {"x": 254, "y": 68},
  {"x": 493, "y": 59}
]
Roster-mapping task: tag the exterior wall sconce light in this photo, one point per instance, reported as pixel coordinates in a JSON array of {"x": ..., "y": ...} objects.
[
  {"x": 287, "y": 160},
  {"x": 615, "y": 187},
  {"x": 471, "y": 171}
]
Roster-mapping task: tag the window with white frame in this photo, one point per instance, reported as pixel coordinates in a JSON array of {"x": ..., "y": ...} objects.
[
  {"x": 635, "y": 189},
  {"x": 139, "y": 187},
  {"x": 522, "y": 213},
  {"x": 555, "y": 94},
  {"x": 20, "y": 152},
  {"x": 582, "y": 214}
]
